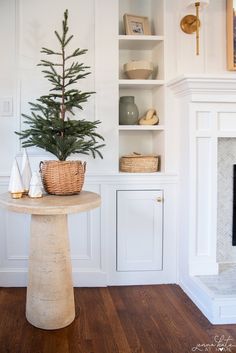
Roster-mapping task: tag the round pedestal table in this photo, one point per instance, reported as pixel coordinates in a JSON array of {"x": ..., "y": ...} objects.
[{"x": 50, "y": 296}]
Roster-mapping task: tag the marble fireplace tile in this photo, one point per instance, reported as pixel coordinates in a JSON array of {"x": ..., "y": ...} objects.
[
  {"x": 223, "y": 284},
  {"x": 226, "y": 158}
]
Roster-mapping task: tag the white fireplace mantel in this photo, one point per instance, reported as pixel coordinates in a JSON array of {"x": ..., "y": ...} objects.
[
  {"x": 206, "y": 112},
  {"x": 205, "y": 88}
]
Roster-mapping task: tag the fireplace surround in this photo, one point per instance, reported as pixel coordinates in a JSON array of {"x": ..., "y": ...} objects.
[{"x": 206, "y": 106}]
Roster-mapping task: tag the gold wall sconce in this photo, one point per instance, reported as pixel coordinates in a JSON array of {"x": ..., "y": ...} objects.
[{"x": 191, "y": 23}]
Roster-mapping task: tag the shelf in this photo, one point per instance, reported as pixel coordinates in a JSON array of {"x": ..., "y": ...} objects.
[
  {"x": 131, "y": 42},
  {"x": 148, "y": 93},
  {"x": 151, "y": 174},
  {"x": 140, "y": 84},
  {"x": 141, "y": 127}
]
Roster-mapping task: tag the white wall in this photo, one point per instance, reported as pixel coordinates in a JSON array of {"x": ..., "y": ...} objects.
[
  {"x": 8, "y": 84},
  {"x": 28, "y": 25},
  {"x": 23, "y": 33},
  {"x": 180, "y": 59},
  {"x": 181, "y": 47}
]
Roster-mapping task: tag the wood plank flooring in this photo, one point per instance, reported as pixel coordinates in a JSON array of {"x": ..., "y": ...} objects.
[{"x": 133, "y": 319}]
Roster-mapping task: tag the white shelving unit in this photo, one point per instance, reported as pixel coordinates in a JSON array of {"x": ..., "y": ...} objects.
[
  {"x": 142, "y": 127},
  {"x": 148, "y": 93},
  {"x": 140, "y": 84},
  {"x": 131, "y": 42}
]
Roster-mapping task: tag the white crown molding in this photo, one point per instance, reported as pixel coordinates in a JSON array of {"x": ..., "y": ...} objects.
[{"x": 205, "y": 88}]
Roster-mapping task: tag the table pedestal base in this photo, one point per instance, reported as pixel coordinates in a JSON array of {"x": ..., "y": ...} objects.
[{"x": 50, "y": 296}]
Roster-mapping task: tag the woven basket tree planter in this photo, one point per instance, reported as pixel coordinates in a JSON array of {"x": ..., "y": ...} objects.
[{"x": 62, "y": 177}]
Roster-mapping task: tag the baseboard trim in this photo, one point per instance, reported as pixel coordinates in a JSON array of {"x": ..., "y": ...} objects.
[
  {"x": 89, "y": 278},
  {"x": 218, "y": 310},
  {"x": 86, "y": 278},
  {"x": 204, "y": 268},
  {"x": 197, "y": 295},
  {"x": 13, "y": 277}
]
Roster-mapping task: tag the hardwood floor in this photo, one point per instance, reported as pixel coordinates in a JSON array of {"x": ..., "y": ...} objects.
[{"x": 135, "y": 319}]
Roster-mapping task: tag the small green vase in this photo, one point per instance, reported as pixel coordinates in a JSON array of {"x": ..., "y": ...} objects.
[{"x": 128, "y": 111}]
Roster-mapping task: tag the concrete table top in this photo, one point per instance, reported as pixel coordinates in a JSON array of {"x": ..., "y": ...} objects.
[{"x": 51, "y": 204}]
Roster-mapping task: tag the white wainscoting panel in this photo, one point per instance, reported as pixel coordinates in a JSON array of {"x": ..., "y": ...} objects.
[
  {"x": 203, "y": 121},
  {"x": 85, "y": 244},
  {"x": 203, "y": 200},
  {"x": 203, "y": 179},
  {"x": 227, "y": 121},
  {"x": 17, "y": 230}
]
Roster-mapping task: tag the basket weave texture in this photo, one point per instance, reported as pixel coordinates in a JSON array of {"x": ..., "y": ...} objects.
[
  {"x": 137, "y": 163},
  {"x": 62, "y": 177}
]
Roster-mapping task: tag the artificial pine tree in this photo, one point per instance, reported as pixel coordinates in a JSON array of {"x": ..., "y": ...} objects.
[{"x": 49, "y": 125}]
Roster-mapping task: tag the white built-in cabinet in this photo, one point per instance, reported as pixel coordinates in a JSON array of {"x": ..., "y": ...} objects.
[
  {"x": 140, "y": 212},
  {"x": 148, "y": 93},
  {"x": 139, "y": 230}
]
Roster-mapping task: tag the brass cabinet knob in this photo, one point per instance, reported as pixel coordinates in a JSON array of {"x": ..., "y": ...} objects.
[{"x": 159, "y": 199}]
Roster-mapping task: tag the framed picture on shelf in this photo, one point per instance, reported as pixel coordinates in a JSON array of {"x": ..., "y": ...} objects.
[
  {"x": 136, "y": 25},
  {"x": 231, "y": 34}
]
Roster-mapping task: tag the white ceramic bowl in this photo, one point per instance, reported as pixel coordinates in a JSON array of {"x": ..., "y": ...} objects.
[{"x": 138, "y": 70}]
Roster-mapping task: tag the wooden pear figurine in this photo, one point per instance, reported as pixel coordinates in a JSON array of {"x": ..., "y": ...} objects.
[
  {"x": 15, "y": 184},
  {"x": 150, "y": 118}
]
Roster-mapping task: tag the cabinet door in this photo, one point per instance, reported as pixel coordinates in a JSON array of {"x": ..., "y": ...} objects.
[{"x": 139, "y": 230}]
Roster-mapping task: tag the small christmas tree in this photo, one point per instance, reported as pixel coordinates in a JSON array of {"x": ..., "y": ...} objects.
[{"x": 49, "y": 125}]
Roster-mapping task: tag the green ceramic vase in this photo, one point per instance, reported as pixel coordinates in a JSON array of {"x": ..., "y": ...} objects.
[{"x": 128, "y": 111}]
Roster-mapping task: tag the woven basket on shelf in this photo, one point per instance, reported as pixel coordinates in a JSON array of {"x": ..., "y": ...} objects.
[
  {"x": 138, "y": 163},
  {"x": 62, "y": 177}
]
